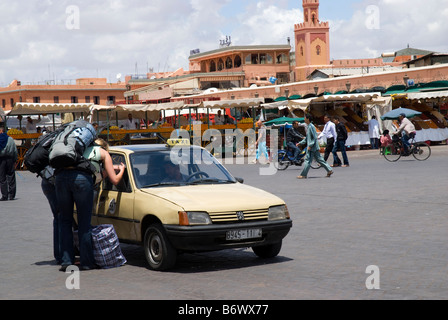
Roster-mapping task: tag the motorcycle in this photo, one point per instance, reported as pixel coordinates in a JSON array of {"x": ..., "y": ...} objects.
[{"x": 285, "y": 158}]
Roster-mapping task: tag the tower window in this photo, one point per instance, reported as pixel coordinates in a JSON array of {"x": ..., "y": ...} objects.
[{"x": 318, "y": 50}]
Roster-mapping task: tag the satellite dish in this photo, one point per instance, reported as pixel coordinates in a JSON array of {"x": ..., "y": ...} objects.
[{"x": 119, "y": 76}]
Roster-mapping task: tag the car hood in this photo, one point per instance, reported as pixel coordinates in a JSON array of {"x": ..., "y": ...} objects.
[{"x": 216, "y": 197}]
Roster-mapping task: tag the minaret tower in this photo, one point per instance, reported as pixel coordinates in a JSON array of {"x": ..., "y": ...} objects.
[{"x": 312, "y": 41}]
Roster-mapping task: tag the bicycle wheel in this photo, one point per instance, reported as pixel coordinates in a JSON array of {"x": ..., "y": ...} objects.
[
  {"x": 281, "y": 161},
  {"x": 421, "y": 151},
  {"x": 392, "y": 152}
]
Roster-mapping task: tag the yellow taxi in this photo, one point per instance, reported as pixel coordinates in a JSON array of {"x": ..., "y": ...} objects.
[{"x": 180, "y": 198}]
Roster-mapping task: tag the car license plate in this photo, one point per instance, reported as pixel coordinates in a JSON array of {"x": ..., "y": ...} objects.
[{"x": 242, "y": 234}]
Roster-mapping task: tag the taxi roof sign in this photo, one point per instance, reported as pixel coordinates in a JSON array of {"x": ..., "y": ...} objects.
[{"x": 178, "y": 142}]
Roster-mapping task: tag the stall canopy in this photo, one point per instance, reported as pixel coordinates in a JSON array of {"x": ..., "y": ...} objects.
[
  {"x": 283, "y": 121},
  {"x": 274, "y": 105},
  {"x": 138, "y": 111},
  {"x": 241, "y": 103},
  {"x": 349, "y": 97},
  {"x": 428, "y": 95},
  {"x": 43, "y": 108}
]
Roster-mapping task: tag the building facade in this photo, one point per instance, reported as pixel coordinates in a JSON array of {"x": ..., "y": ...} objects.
[
  {"x": 256, "y": 63},
  {"x": 312, "y": 41},
  {"x": 86, "y": 90}
]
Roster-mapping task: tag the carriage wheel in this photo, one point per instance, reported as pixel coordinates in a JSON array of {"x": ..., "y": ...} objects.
[{"x": 21, "y": 151}]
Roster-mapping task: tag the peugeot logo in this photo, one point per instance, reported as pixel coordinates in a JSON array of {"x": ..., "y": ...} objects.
[{"x": 240, "y": 215}]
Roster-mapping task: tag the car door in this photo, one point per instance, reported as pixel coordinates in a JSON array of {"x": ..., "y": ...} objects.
[{"x": 116, "y": 203}]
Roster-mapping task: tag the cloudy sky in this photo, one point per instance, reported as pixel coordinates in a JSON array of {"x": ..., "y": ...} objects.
[{"x": 67, "y": 39}]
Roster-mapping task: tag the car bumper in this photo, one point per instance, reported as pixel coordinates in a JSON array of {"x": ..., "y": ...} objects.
[{"x": 213, "y": 237}]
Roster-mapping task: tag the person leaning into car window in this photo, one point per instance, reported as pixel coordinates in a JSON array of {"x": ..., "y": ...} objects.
[
  {"x": 75, "y": 186},
  {"x": 109, "y": 167}
]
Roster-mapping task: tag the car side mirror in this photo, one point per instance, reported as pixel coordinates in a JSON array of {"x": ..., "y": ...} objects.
[{"x": 240, "y": 180}]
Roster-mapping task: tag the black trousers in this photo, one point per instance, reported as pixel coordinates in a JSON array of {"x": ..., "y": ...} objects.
[
  {"x": 328, "y": 148},
  {"x": 7, "y": 178}
]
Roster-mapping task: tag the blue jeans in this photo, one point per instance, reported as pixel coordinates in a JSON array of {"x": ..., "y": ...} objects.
[
  {"x": 374, "y": 142},
  {"x": 339, "y": 145},
  {"x": 262, "y": 149},
  {"x": 49, "y": 191},
  {"x": 296, "y": 149},
  {"x": 405, "y": 139},
  {"x": 75, "y": 188}
]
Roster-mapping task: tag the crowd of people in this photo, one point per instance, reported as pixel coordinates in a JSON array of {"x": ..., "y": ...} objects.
[{"x": 335, "y": 134}]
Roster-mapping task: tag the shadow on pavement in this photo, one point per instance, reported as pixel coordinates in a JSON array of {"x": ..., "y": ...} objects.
[{"x": 204, "y": 261}]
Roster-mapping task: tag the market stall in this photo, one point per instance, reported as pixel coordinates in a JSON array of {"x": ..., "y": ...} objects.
[
  {"x": 431, "y": 125},
  {"x": 24, "y": 140},
  {"x": 145, "y": 118},
  {"x": 351, "y": 108},
  {"x": 235, "y": 110}
]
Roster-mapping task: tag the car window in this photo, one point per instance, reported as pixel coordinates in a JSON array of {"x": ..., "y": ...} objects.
[
  {"x": 177, "y": 167},
  {"x": 123, "y": 185}
]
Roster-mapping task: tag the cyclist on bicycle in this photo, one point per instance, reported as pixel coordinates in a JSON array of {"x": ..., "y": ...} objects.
[
  {"x": 407, "y": 130},
  {"x": 293, "y": 137}
]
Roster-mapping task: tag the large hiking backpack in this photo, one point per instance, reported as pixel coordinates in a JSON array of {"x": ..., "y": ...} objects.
[
  {"x": 69, "y": 145},
  {"x": 37, "y": 157}
]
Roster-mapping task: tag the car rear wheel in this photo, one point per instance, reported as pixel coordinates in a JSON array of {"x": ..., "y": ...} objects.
[
  {"x": 159, "y": 252},
  {"x": 268, "y": 251}
]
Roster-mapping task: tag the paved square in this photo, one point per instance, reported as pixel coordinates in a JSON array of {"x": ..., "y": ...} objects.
[{"x": 374, "y": 213}]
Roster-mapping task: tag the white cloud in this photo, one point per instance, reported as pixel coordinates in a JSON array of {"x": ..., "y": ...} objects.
[
  {"x": 266, "y": 23},
  {"x": 402, "y": 22},
  {"x": 115, "y": 35}
]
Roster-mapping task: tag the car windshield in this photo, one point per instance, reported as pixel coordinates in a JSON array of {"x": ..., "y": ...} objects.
[{"x": 177, "y": 167}]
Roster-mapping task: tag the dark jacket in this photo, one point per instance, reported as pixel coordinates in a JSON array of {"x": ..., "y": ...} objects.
[
  {"x": 341, "y": 131},
  {"x": 10, "y": 150},
  {"x": 293, "y": 136}
]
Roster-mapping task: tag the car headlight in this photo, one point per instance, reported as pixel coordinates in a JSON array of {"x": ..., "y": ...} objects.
[
  {"x": 194, "y": 218},
  {"x": 278, "y": 213}
]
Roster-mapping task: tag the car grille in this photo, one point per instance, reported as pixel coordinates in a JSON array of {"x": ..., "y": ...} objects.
[{"x": 239, "y": 216}]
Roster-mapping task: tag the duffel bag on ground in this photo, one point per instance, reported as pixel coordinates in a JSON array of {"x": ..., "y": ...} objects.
[{"x": 106, "y": 247}]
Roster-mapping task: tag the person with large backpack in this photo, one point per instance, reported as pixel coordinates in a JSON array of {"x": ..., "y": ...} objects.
[{"x": 75, "y": 185}]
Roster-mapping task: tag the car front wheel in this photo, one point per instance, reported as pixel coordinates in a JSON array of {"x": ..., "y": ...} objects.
[
  {"x": 268, "y": 251},
  {"x": 159, "y": 252}
]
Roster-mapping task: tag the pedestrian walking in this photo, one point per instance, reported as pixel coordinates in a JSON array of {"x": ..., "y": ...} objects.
[
  {"x": 341, "y": 138},
  {"x": 329, "y": 133},
  {"x": 312, "y": 149},
  {"x": 261, "y": 142},
  {"x": 8, "y": 158}
]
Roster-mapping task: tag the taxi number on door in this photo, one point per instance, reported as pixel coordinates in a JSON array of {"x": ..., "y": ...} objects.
[{"x": 242, "y": 234}]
